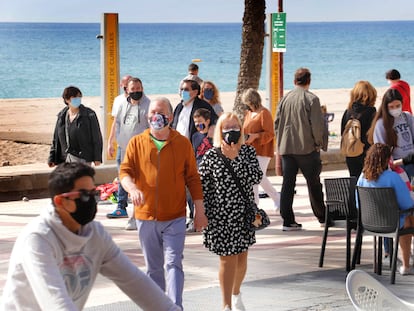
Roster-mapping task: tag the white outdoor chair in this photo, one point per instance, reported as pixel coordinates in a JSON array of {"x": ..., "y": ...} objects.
[{"x": 367, "y": 294}]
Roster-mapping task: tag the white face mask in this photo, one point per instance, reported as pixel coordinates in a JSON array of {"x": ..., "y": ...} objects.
[{"x": 395, "y": 112}]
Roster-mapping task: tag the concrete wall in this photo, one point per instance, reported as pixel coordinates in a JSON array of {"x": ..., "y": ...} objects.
[{"x": 33, "y": 183}]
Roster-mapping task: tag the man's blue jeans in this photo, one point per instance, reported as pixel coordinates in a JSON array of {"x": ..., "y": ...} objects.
[
  {"x": 310, "y": 166},
  {"x": 122, "y": 194},
  {"x": 162, "y": 244}
]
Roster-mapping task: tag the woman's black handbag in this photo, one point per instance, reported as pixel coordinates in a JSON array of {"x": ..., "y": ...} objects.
[{"x": 255, "y": 218}]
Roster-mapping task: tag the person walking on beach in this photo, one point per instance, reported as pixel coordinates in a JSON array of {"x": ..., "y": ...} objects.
[
  {"x": 394, "y": 78},
  {"x": 226, "y": 234},
  {"x": 131, "y": 120},
  {"x": 158, "y": 166},
  {"x": 120, "y": 100},
  {"x": 299, "y": 131},
  {"x": 211, "y": 94},
  {"x": 58, "y": 255},
  {"x": 183, "y": 120},
  {"x": 77, "y": 136},
  {"x": 202, "y": 140},
  {"x": 192, "y": 75},
  {"x": 258, "y": 128},
  {"x": 361, "y": 106}
]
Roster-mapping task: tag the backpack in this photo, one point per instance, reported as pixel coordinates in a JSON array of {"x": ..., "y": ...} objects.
[{"x": 351, "y": 144}]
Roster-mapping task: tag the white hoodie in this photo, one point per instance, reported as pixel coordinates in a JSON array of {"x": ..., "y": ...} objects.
[{"x": 51, "y": 268}]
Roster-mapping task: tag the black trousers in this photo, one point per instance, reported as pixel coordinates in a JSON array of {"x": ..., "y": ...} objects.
[{"x": 310, "y": 166}]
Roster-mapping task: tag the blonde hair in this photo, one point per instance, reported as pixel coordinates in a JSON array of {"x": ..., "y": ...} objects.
[
  {"x": 218, "y": 137},
  {"x": 252, "y": 97},
  {"x": 363, "y": 93}
]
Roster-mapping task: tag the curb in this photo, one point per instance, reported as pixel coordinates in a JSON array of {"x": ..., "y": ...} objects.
[{"x": 32, "y": 183}]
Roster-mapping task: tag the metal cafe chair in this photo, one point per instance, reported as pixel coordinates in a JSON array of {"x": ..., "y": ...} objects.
[
  {"x": 340, "y": 212},
  {"x": 379, "y": 215}
]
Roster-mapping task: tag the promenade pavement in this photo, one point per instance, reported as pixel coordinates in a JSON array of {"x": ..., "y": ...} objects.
[{"x": 283, "y": 272}]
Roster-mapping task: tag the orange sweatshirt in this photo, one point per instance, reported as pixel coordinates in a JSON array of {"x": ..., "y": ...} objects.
[{"x": 162, "y": 175}]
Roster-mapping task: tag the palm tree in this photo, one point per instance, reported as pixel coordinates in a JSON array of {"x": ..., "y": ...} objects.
[{"x": 251, "y": 55}]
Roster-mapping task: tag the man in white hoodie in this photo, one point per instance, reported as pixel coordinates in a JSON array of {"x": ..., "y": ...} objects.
[{"x": 58, "y": 255}]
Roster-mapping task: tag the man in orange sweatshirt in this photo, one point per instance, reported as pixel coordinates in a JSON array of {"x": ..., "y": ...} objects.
[{"x": 158, "y": 165}]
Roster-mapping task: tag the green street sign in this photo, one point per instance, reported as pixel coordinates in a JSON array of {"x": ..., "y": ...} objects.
[{"x": 279, "y": 32}]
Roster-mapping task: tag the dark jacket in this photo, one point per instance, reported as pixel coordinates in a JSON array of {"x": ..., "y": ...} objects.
[
  {"x": 198, "y": 103},
  {"x": 365, "y": 115},
  {"x": 87, "y": 134}
]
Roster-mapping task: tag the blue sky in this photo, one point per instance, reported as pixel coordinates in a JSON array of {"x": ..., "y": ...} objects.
[{"x": 144, "y": 11}]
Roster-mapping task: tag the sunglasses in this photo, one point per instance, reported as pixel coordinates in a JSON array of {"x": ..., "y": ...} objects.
[
  {"x": 188, "y": 90},
  {"x": 82, "y": 194}
]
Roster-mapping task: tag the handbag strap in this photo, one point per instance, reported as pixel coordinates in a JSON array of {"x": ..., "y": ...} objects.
[{"x": 236, "y": 180}]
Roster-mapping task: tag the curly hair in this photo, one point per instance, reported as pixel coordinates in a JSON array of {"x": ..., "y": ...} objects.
[{"x": 376, "y": 161}]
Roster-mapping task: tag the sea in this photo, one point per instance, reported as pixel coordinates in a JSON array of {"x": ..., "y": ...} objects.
[{"x": 38, "y": 60}]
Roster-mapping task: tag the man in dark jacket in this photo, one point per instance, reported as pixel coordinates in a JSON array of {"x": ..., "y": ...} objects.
[
  {"x": 183, "y": 122},
  {"x": 183, "y": 114}
]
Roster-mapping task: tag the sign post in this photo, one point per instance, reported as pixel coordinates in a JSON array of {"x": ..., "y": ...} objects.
[
  {"x": 277, "y": 31},
  {"x": 109, "y": 72}
]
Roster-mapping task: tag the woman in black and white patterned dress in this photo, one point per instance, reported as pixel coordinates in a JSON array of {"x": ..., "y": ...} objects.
[{"x": 226, "y": 234}]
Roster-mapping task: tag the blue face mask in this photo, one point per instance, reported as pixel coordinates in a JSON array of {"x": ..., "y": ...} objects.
[
  {"x": 76, "y": 102},
  {"x": 208, "y": 94},
  {"x": 185, "y": 95}
]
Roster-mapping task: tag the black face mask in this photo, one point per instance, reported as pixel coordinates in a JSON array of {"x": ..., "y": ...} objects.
[
  {"x": 136, "y": 95},
  {"x": 231, "y": 136},
  {"x": 85, "y": 208}
]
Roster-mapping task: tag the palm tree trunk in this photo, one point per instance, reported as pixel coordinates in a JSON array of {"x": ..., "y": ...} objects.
[{"x": 251, "y": 55}]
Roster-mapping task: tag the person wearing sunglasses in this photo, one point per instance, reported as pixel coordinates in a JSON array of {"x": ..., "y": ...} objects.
[{"x": 58, "y": 255}]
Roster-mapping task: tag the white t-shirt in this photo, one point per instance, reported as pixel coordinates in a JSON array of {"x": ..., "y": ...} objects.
[
  {"x": 118, "y": 101},
  {"x": 183, "y": 123}
]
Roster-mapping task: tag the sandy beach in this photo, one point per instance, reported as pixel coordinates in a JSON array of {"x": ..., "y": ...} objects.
[{"x": 26, "y": 125}]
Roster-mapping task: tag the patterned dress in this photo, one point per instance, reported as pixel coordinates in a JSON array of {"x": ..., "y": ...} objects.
[{"x": 226, "y": 233}]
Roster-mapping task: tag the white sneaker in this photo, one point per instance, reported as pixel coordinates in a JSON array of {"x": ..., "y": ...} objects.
[
  {"x": 132, "y": 224},
  {"x": 237, "y": 303},
  {"x": 226, "y": 308},
  {"x": 404, "y": 271}
]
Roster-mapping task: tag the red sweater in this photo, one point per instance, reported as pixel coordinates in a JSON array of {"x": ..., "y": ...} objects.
[{"x": 404, "y": 89}]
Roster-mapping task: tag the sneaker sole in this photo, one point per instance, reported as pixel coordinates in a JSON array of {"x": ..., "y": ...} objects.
[
  {"x": 292, "y": 228},
  {"x": 114, "y": 216}
]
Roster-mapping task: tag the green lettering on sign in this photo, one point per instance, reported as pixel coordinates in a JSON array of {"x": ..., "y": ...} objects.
[{"x": 279, "y": 32}]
